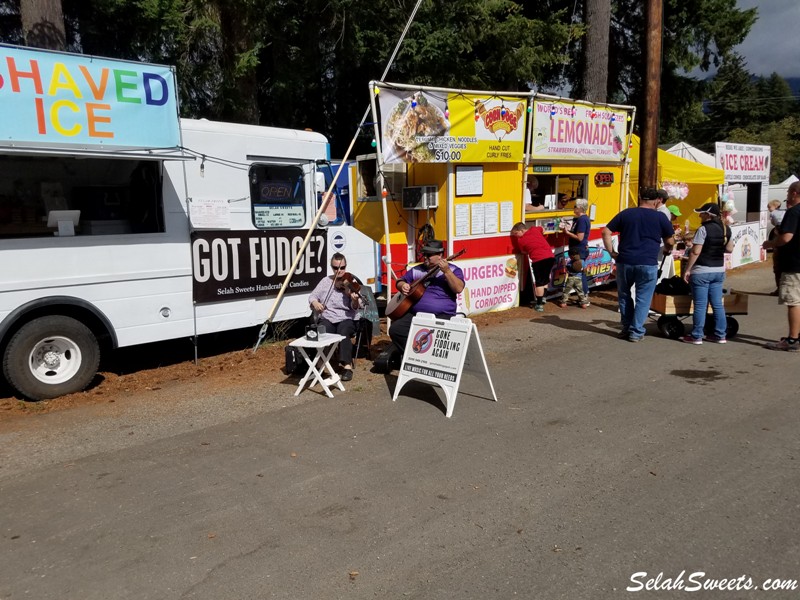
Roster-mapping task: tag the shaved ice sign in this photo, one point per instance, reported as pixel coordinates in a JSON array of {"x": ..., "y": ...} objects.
[{"x": 61, "y": 100}]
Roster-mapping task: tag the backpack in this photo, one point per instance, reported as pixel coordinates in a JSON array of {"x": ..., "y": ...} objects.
[
  {"x": 674, "y": 286},
  {"x": 295, "y": 363}
]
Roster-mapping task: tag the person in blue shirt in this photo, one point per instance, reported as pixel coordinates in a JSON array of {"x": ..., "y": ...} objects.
[
  {"x": 641, "y": 232},
  {"x": 578, "y": 236}
]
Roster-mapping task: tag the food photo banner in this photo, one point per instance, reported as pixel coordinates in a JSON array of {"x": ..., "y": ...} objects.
[
  {"x": 565, "y": 130},
  {"x": 63, "y": 100},
  {"x": 440, "y": 127}
]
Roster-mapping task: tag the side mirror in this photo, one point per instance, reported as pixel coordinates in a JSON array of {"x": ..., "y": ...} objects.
[{"x": 319, "y": 182}]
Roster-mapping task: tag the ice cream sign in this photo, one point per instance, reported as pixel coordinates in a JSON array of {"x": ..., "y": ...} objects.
[
  {"x": 66, "y": 100},
  {"x": 743, "y": 162},
  {"x": 565, "y": 130}
]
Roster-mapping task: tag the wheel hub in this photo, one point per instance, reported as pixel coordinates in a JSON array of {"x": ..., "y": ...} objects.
[{"x": 51, "y": 358}]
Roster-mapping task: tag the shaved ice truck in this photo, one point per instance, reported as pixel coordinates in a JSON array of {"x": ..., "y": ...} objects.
[
  {"x": 121, "y": 224},
  {"x": 452, "y": 164}
]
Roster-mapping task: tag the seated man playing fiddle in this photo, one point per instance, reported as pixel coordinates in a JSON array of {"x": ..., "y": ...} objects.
[
  {"x": 336, "y": 307},
  {"x": 439, "y": 296}
]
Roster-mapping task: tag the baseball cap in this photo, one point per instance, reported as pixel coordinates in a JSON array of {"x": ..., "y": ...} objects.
[
  {"x": 675, "y": 210},
  {"x": 648, "y": 194},
  {"x": 708, "y": 208}
]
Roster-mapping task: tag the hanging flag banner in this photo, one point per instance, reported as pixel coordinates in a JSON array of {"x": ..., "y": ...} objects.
[
  {"x": 567, "y": 130},
  {"x": 440, "y": 127}
]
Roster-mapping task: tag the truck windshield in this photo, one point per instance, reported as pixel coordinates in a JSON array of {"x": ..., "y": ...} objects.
[{"x": 278, "y": 196}]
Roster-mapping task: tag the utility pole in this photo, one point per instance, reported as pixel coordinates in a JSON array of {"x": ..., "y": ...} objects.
[{"x": 648, "y": 157}]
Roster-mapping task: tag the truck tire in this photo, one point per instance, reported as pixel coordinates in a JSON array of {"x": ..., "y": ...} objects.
[{"x": 51, "y": 356}]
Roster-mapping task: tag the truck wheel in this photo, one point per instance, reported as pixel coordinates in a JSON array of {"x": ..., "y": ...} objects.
[{"x": 51, "y": 356}]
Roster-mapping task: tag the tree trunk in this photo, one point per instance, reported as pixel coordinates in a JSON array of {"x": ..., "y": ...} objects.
[
  {"x": 43, "y": 24},
  {"x": 595, "y": 74}
]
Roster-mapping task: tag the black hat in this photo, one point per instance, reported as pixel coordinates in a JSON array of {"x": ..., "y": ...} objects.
[
  {"x": 648, "y": 194},
  {"x": 433, "y": 247},
  {"x": 708, "y": 208}
]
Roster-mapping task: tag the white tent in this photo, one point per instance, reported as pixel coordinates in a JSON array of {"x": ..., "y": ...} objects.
[
  {"x": 778, "y": 191},
  {"x": 689, "y": 152}
]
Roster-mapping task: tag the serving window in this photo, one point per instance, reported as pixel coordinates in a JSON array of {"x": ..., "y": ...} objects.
[
  {"x": 277, "y": 196},
  {"x": 99, "y": 196},
  {"x": 559, "y": 192}
]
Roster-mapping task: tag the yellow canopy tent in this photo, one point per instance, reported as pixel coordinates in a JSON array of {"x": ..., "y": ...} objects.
[{"x": 679, "y": 174}]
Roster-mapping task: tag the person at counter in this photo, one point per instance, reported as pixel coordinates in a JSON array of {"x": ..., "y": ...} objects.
[
  {"x": 578, "y": 235},
  {"x": 532, "y": 200},
  {"x": 531, "y": 242}
]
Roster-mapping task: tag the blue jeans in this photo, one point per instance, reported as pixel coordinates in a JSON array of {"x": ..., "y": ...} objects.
[
  {"x": 634, "y": 313},
  {"x": 707, "y": 287},
  {"x": 584, "y": 253}
]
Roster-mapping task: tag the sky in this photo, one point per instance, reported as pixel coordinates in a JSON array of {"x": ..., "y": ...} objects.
[{"x": 773, "y": 44}]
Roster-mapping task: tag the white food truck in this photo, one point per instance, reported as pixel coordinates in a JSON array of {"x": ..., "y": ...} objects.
[{"x": 121, "y": 224}]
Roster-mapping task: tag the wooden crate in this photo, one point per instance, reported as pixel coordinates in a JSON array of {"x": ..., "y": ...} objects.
[{"x": 735, "y": 304}]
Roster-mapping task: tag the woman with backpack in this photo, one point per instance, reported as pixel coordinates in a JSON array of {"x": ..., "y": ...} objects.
[{"x": 705, "y": 273}]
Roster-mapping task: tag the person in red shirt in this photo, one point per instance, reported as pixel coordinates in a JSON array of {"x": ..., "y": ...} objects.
[{"x": 531, "y": 242}]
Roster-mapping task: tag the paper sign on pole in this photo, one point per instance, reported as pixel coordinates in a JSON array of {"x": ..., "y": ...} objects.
[{"x": 438, "y": 351}]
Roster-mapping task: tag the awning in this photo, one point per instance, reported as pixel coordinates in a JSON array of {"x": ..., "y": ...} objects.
[{"x": 674, "y": 168}]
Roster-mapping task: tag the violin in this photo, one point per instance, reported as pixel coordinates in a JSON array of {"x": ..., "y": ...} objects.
[{"x": 350, "y": 285}]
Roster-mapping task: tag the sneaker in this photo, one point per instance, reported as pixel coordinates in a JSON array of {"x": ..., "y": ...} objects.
[
  {"x": 715, "y": 340},
  {"x": 347, "y": 374},
  {"x": 538, "y": 307},
  {"x": 623, "y": 335},
  {"x": 784, "y": 345},
  {"x": 634, "y": 339},
  {"x": 688, "y": 339}
]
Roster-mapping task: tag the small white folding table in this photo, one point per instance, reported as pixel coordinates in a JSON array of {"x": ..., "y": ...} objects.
[{"x": 325, "y": 344}]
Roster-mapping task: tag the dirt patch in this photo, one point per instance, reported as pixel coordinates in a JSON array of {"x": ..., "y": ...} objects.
[{"x": 226, "y": 360}]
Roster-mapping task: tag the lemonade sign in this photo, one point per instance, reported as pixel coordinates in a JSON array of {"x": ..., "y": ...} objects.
[{"x": 567, "y": 130}]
